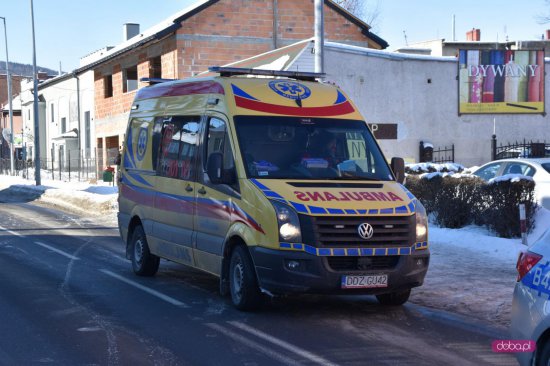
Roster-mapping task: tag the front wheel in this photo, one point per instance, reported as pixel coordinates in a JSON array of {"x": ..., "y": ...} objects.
[
  {"x": 543, "y": 358},
  {"x": 243, "y": 284},
  {"x": 143, "y": 262},
  {"x": 394, "y": 298}
]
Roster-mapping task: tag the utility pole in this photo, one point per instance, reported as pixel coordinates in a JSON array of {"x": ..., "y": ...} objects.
[
  {"x": 8, "y": 76},
  {"x": 36, "y": 125},
  {"x": 319, "y": 36}
]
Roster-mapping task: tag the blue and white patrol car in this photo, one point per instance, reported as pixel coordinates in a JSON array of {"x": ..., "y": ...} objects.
[{"x": 531, "y": 302}]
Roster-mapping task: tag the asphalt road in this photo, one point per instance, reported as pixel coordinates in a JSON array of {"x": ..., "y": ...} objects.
[{"x": 69, "y": 297}]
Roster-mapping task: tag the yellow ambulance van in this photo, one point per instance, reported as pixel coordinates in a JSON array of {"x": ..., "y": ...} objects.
[{"x": 270, "y": 181}]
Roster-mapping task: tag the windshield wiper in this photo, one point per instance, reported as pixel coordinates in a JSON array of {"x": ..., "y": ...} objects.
[{"x": 348, "y": 177}]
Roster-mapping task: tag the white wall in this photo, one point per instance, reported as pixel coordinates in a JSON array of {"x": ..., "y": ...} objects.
[
  {"x": 62, "y": 93},
  {"x": 394, "y": 88}
]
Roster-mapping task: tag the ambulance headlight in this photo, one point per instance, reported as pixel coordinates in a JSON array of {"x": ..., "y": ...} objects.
[
  {"x": 421, "y": 223},
  {"x": 289, "y": 224}
]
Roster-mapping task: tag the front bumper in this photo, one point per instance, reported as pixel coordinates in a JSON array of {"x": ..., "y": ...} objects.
[{"x": 313, "y": 274}]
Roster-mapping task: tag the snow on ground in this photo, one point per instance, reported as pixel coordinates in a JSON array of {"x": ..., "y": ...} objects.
[
  {"x": 471, "y": 272},
  {"x": 85, "y": 198}
]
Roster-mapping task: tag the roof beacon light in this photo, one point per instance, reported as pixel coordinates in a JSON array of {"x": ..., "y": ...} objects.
[{"x": 233, "y": 71}]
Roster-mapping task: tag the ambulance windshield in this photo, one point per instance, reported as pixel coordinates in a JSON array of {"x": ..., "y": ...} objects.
[{"x": 309, "y": 148}]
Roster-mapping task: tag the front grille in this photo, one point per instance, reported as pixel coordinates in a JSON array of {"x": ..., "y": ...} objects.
[
  {"x": 389, "y": 231},
  {"x": 362, "y": 263}
]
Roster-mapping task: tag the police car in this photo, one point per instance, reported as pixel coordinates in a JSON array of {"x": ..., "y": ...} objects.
[{"x": 531, "y": 303}]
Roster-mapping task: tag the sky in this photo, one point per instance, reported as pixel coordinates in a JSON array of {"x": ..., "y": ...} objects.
[{"x": 66, "y": 30}]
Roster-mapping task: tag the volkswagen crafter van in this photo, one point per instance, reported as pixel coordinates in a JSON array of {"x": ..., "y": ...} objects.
[{"x": 270, "y": 181}]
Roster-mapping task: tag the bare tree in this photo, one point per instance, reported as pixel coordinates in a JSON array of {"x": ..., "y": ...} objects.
[{"x": 366, "y": 10}]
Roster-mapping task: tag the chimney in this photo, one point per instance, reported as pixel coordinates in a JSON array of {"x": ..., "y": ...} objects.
[
  {"x": 548, "y": 34},
  {"x": 129, "y": 30},
  {"x": 42, "y": 75},
  {"x": 473, "y": 35}
]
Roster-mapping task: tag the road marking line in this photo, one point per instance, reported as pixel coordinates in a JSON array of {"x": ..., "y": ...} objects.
[
  {"x": 11, "y": 232},
  {"x": 279, "y": 342},
  {"x": 254, "y": 345},
  {"x": 57, "y": 250},
  {"x": 155, "y": 293}
]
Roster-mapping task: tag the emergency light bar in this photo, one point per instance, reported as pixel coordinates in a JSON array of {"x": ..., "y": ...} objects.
[
  {"x": 153, "y": 81},
  {"x": 232, "y": 71}
]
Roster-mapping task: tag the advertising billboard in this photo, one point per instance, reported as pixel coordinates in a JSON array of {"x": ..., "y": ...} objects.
[{"x": 500, "y": 81}]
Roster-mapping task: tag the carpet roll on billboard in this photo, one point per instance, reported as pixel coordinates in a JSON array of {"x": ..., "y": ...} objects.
[{"x": 501, "y": 81}]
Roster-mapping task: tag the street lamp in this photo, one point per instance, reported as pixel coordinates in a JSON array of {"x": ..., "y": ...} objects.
[
  {"x": 35, "y": 104},
  {"x": 9, "y": 95}
]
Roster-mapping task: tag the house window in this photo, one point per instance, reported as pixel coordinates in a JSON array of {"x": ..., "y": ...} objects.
[
  {"x": 52, "y": 112},
  {"x": 130, "y": 79},
  {"x": 63, "y": 125},
  {"x": 108, "y": 86},
  {"x": 155, "y": 68}
]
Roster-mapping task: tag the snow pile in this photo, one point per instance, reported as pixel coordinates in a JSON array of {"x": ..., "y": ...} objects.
[
  {"x": 510, "y": 177},
  {"x": 440, "y": 174},
  {"x": 435, "y": 167},
  {"x": 84, "y": 198}
]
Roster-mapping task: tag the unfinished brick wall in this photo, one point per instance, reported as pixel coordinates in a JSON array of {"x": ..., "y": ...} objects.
[
  {"x": 120, "y": 102},
  {"x": 229, "y": 31},
  {"x": 224, "y": 32}
]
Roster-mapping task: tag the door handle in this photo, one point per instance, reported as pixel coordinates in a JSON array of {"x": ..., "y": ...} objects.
[
  {"x": 189, "y": 188},
  {"x": 202, "y": 190}
]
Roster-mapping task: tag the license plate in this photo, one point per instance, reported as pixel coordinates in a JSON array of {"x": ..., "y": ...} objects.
[{"x": 364, "y": 281}]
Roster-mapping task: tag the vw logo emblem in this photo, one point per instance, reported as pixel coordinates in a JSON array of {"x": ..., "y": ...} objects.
[{"x": 365, "y": 230}]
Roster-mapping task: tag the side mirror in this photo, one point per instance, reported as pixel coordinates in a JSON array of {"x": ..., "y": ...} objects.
[
  {"x": 398, "y": 168},
  {"x": 214, "y": 167}
]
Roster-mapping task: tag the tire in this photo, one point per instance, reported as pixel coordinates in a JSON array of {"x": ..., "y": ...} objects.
[
  {"x": 543, "y": 358},
  {"x": 143, "y": 262},
  {"x": 243, "y": 285},
  {"x": 394, "y": 298}
]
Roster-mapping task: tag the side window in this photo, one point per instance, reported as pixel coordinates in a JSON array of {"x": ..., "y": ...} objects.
[
  {"x": 528, "y": 170},
  {"x": 519, "y": 168},
  {"x": 218, "y": 142},
  {"x": 178, "y": 146},
  {"x": 137, "y": 155},
  {"x": 489, "y": 171}
]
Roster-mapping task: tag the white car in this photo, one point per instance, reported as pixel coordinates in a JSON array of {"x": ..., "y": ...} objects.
[
  {"x": 538, "y": 169},
  {"x": 531, "y": 304}
]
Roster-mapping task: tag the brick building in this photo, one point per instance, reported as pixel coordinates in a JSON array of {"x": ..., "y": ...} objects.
[
  {"x": 211, "y": 32},
  {"x": 15, "y": 86}
]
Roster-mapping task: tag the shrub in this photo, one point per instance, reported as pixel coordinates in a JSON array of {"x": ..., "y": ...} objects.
[
  {"x": 425, "y": 190},
  {"x": 455, "y": 202},
  {"x": 501, "y": 214}
]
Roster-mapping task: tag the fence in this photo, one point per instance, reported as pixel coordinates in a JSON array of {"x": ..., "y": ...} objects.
[
  {"x": 70, "y": 165},
  {"x": 444, "y": 155},
  {"x": 439, "y": 155},
  {"x": 525, "y": 149}
]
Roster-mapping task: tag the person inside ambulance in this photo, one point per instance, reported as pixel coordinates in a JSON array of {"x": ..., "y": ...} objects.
[{"x": 322, "y": 150}]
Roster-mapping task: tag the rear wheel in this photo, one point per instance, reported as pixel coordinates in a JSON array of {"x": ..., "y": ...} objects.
[
  {"x": 243, "y": 284},
  {"x": 143, "y": 262},
  {"x": 394, "y": 298}
]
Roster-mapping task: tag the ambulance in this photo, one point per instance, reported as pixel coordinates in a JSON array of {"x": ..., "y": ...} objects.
[{"x": 271, "y": 181}]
